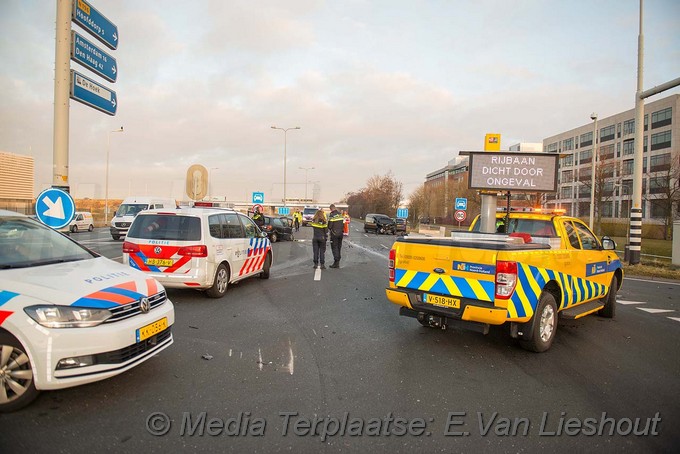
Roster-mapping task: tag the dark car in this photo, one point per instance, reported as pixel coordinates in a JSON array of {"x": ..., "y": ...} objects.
[
  {"x": 379, "y": 223},
  {"x": 278, "y": 228},
  {"x": 401, "y": 225}
]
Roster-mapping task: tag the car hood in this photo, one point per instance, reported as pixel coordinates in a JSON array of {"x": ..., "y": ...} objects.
[{"x": 94, "y": 283}]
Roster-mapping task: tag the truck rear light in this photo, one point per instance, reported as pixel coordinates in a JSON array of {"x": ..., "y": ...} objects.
[
  {"x": 506, "y": 279},
  {"x": 393, "y": 255},
  {"x": 194, "y": 251},
  {"x": 130, "y": 248}
]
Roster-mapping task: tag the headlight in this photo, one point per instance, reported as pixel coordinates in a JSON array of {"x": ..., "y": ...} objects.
[{"x": 67, "y": 316}]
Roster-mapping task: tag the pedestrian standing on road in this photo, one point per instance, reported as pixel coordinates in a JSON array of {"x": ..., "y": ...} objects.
[
  {"x": 258, "y": 218},
  {"x": 335, "y": 229},
  {"x": 320, "y": 227}
]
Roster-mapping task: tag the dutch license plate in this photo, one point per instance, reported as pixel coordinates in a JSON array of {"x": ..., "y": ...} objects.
[
  {"x": 151, "y": 329},
  {"x": 444, "y": 301},
  {"x": 159, "y": 262}
]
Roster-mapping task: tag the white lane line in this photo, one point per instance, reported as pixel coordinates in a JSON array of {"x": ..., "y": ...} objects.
[
  {"x": 650, "y": 281},
  {"x": 259, "y": 362},
  {"x": 384, "y": 247},
  {"x": 317, "y": 274},
  {"x": 626, "y": 303},
  {"x": 674, "y": 318},
  {"x": 651, "y": 310},
  {"x": 291, "y": 361}
]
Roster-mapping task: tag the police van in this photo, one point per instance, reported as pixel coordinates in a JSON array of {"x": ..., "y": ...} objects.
[
  {"x": 198, "y": 248},
  {"x": 130, "y": 208}
]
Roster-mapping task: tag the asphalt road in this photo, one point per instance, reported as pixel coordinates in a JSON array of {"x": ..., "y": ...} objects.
[{"x": 253, "y": 371}]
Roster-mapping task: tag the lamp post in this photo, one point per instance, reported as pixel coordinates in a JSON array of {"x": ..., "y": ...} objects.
[
  {"x": 106, "y": 190},
  {"x": 210, "y": 179},
  {"x": 593, "y": 116},
  {"x": 285, "y": 131},
  {"x": 306, "y": 169}
]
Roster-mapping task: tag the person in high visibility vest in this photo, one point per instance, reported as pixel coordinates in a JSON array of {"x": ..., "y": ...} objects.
[
  {"x": 345, "y": 227},
  {"x": 335, "y": 228},
  {"x": 258, "y": 218},
  {"x": 320, "y": 227}
]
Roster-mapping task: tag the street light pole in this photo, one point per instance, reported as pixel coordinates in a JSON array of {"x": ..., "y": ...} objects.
[
  {"x": 593, "y": 160},
  {"x": 210, "y": 179},
  {"x": 285, "y": 131},
  {"x": 306, "y": 169},
  {"x": 106, "y": 190}
]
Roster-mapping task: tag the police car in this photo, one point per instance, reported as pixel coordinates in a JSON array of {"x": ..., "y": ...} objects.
[
  {"x": 198, "y": 248},
  {"x": 68, "y": 316}
]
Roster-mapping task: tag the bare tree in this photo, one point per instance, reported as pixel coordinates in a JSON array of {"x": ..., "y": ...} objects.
[{"x": 664, "y": 194}]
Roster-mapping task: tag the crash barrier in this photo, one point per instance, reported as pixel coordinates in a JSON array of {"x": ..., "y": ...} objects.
[{"x": 432, "y": 231}]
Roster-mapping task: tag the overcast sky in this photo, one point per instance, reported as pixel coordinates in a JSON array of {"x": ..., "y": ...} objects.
[{"x": 376, "y": 86}]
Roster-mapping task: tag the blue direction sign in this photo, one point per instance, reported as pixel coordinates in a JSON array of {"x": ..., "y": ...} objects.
[
  {"x": 95, "y": 23},
  {"x": 402, "y": 212},
  {"x": 89, "y": 92},
  {"x": 92, "y": 57},
  {"x": 258, "y": 197},
  {"x": 55, "y": 208},
  {"x": 284, "y": 211},
  {"x": 461, "y": 203}
]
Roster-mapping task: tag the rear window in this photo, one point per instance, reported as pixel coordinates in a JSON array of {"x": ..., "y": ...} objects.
[
  {"x": 535, "y": 227},
  {"x": 166, "y": 227}
]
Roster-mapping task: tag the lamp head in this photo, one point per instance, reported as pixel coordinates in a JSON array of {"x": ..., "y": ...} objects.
[{"x": 593, "y": 116}]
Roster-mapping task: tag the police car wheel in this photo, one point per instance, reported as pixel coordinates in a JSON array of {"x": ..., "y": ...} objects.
[
  {"x": 17, "y": 388},
  {"x": 609, "y": 309},
  {"x": 544, "y": 324},
  {"x": 266, "y": 267},
  {"x": 219, "y": 287},
  {"x": 90, "y": 228}
]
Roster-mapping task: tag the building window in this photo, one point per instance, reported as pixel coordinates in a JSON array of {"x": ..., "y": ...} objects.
[
  {"x": 607, "y": 133},
  {"x": 629, "y": 127},
  {"x": 551, "y": 148},
  {"x": 659, "y": 208},
  {"x": 660, "y": 162},
  {"x": 646, "y": 121},
  {"x": 584, "y": 174},
  {"x": 618, "y": 131},
  {"x": 584, "y": 192},
  {"x": 658, "y": 185},
  {"x": 607, "y": 211},
  {"x": 627, "y": 167},
  {"x": 606, "y": 152},
  {"x": 662, "y": 118},
  {"x": 567, "y": 161},
  {"x": 586, "y": 139},
  {"x": 568, "y": 144},
  {"x": 566, "y": 193},
  {"x": 585, "y": 156},
  {"x": 628, "y": 147},
  {"x": 661, "y": 140},
  {"x": 567, "y": 176}
]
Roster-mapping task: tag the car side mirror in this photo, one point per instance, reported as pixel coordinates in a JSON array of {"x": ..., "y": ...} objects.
[{"x": 608, "y": 244}]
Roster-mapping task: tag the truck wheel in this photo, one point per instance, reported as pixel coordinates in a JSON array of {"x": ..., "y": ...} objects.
[
  {"x": 90, "y": 228},
  {"x": 219, "y": 287},
  {"x": 609, "y": 309},
  {"x": 266, "y": 267},
  {"x": 16, "y": 375},
  {"x": 544, "y": 324}
]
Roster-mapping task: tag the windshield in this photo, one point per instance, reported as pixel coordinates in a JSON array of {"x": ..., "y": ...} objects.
[
  {"x": 131, "y": 209},
  {"x": 311, "y": 211},
  {"x": 166, "y": 227},
  {"x": 26, "y": 243}
]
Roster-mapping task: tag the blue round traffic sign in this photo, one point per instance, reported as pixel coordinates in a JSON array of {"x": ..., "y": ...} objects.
[{"x": 55, "y": 208}]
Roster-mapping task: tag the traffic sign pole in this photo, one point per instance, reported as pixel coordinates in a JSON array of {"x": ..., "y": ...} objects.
[{"x": 62, "y": 84}]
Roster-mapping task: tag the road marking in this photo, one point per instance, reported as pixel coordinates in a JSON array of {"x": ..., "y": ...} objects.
[
  {"x": 370, "y": 251},
  {"x": 317, "y": 274},
  {"x": 625, "y": 303},
  {"x": 384, "y": 247},
  {"x": 650, "y": 281},
  {"x": 291, "y": 361},
  {"x": 674, "y": 318},
  {"x": 259, "y": 362},
  {"x": 651, "y": 310}
]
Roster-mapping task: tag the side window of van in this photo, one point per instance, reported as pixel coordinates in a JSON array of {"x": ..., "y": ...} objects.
[
  {"x": 79, "y": 217},
  {"x": 252, "y": 231},
  {"x": 231, "y": 226},
  {"x": 214, "y": 226}
]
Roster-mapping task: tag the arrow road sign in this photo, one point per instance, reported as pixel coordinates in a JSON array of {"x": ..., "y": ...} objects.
[
  {"x": 91, "y": 93},
  {"x": 55, "y": 208},
  {"x": 92, "y": 57},
  {"x": 95, "y": 23}
]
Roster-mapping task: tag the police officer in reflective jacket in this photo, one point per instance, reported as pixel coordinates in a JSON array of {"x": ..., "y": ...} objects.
[
  {"x": 320, "y": 226},
  {"x": 258, "y": 218},
  {"x": 335, "y": 229}
]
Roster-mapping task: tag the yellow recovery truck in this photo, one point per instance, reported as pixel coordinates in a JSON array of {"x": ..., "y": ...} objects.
[{"x": 543, "y": 265}]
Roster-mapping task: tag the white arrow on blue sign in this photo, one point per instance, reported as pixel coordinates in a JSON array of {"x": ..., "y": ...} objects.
[
  {"x": 258, "y": 197},
  {"x": 55, "y": 208},
  {"x": 95, "y": 23},
  {"x": 93, "y": 94},
  {"x": 402, "y": 212},
  {"x": 461, "y": 203},
  {"x": 92, "y": 57}
]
